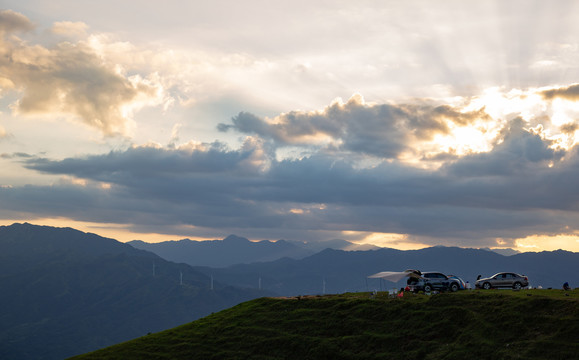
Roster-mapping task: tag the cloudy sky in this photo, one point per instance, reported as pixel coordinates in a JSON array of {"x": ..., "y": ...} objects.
[{"x": 403, "y": 124}]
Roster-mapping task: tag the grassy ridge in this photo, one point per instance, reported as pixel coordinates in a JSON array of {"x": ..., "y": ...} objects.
[{"x": 529, "y": 324}]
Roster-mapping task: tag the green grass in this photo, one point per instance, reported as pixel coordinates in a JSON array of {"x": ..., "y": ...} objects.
[{"x": 495, "y": 324}]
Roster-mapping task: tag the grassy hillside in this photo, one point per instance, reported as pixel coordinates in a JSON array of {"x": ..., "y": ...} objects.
[{"x": 529, "y": 324}]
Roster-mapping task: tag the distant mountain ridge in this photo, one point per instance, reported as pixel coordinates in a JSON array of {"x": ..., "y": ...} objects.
[
  {"x": 337, "y": 271},
  {"x": 65, "y": 292},
  {"x": 220, "y": 253},
  {"x": 26, "y": 246},
  {"x": 336, "y": 244},
  {"x": 505, "y": 252},
  {"x": 235, "y": 250}
]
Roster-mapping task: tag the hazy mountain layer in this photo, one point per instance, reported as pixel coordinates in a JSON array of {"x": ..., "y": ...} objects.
[{"x": 219, "y": 253}]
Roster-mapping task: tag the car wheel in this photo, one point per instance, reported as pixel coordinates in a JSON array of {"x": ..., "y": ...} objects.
[
  {"x": 427, "y": 288},
  {"x": 517, "y": 286},
  {"x": 487, "y": 286},
  {"x": 454, "y": 287}
]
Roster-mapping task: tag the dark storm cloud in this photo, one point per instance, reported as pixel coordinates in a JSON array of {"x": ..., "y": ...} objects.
[
  {"x": 202, "y": 174},
  {"x": 510, "y": 191},
  {"x": 146, "y": 161},
  {"x": 381, "y": 130}
]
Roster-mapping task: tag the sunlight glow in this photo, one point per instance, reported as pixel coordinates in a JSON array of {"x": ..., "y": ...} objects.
[
  {"x": 548, "y": 243},
  {"x": 502, "y": 105},
  {"x": 306, "y": 209},
  {"x": 465, "y": 140},
  {"x": 389, "y": 240},
  {"x": 551, "y": 116}
]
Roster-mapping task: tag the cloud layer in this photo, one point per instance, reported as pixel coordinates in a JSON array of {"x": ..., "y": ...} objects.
[{"x": 524, "y": 186}]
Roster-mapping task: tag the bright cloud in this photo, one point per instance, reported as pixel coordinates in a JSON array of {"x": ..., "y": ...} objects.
[
  {"x": 386, "y": 131},
  {"x": 71, "y": 79},
  {"x": 70, "y": 29},
  {"x": 520, "y": 186}
]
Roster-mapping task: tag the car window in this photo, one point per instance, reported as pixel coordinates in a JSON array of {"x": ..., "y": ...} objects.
[{"x": 435, "y": 276}]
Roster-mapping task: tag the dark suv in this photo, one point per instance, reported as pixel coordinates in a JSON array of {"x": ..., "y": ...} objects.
[
  {"x": 503, "y": 280},
  {"x": 429, "y": 281}
]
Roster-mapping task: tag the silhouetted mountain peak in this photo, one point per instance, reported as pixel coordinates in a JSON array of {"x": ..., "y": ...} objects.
[
  {"x": 236, "y": 239},
  {"x": 27, "y": 246},
  {"x": 338, "y": 244},
  {"x": 229, "y": 251},
  {"x": 504, "y": 252}
]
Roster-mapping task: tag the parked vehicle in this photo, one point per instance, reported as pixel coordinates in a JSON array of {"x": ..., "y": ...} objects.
[
  {"x": 503, "y": 280},
  {"x": 460, "y": 281},
  {"x": 434, "y": 281}
]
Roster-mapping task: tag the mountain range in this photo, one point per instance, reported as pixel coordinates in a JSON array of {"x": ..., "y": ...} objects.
[
  {"x": 65, "y": 292},
  {"x": 293, "y": 268},
  {"x": 234, "y": 250}
]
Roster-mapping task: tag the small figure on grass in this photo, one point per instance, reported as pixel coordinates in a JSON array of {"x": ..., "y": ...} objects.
[{"x": 566, "y": 286}]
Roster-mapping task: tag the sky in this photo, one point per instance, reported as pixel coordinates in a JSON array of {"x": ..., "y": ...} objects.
[{"x": 400, "y": 124}]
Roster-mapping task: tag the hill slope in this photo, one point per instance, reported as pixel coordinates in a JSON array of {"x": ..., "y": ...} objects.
[
  {"x": 529, "y": 324},
  {"x": 65, "y": 292}
]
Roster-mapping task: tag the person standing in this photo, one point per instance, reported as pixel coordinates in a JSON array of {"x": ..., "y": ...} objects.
[{"x": 566, "y": 286}]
